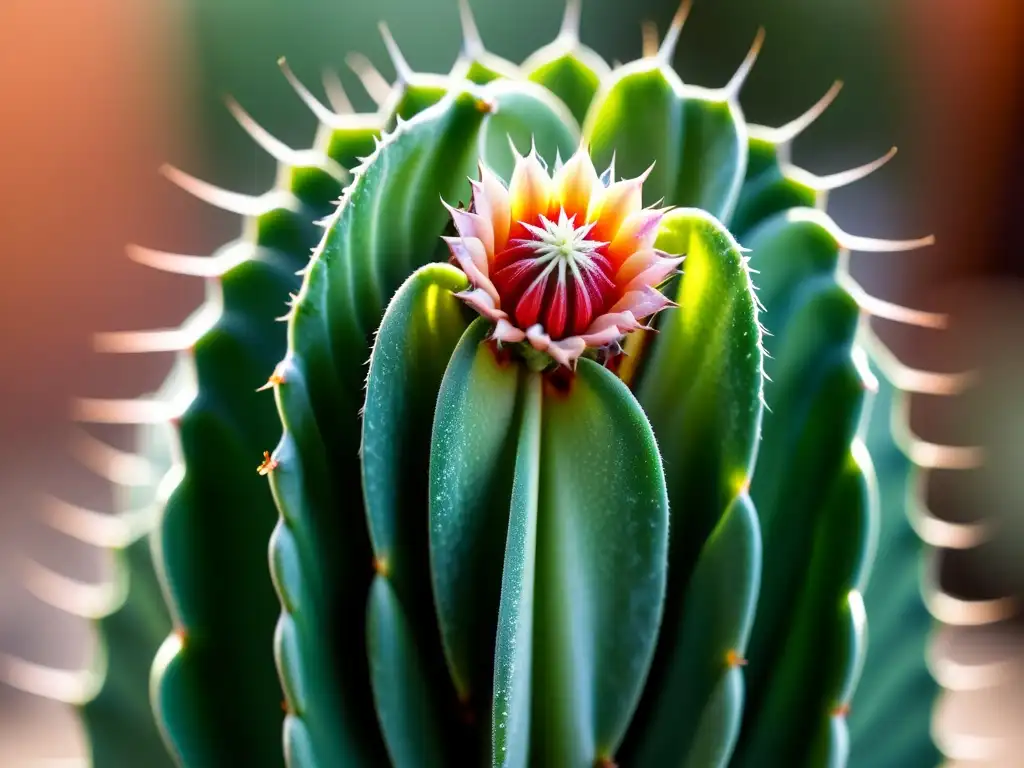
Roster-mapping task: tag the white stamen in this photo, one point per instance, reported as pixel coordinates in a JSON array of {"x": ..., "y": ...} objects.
[{"x": 564, "y": 243}]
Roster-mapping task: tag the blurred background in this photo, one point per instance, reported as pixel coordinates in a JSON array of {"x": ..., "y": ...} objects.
[{"x": 97, "y": 95}]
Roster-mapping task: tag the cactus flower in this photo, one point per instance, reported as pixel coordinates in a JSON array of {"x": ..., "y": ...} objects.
[{"x": 565, "y": 262}]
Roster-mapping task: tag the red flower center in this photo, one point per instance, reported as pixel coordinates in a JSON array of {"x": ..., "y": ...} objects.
[{"x": 555, "y": 276}]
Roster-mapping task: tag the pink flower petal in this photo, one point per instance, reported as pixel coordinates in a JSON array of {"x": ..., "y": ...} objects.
[
  {"x": 655, "y": 273},
  {"x": 642, "y": 303},
  {"x": 473, "y": 225},
  {"x": 574, "y": 184},
  {"x": 529, "y": 194},
  {"x": 564, "y": 352},
  {"x": 491, "y": 200},
  {"x": 624, "y": 322},
  {"x": 610, "y": 207},
  {"x": 636, "y": 264},
  {"x": 482, "y": 302},
  {"x": 637, "y": 233},
  {"x": 472, "y": 259},
  {"x": 506, "y": 332}
]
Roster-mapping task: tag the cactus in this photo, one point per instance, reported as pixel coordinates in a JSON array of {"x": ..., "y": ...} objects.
[{"x": 569, "y": 456}]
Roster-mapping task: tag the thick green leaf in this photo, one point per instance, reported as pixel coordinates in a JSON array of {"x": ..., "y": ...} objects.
[
  {"x": 891, "y": 715},
  {"x": 472, "y": 464},
  {"x": 406, "y": 705},
  {"x": 719, "y": 725},
  {"x": 418, "y": 333},
  {"x": 569, "y": 70},
  {"x": 696, "y": 138},
  {"x": 475, "y": 63},
  {"x": 602, "y": 534},
  {"x": 415, "y": 94},
  {"x": 638, "y": 117},
  {"x": 815, "y": 399},
  {"x": 814, "y": 674},
  {"x": 215, "y": 686},
  {"x": 513, "y": 664},
  {"x": 420, "y": 329},
  {"x": 696, "y": 715},
  {"x": 526, "y": 115},
  {"x": 701, "y": 389},
  {"x": 320, "y": 552},
  {"x": 767, "y": 189},
  {"x": 349, "y": 139},
  {"x": 703, "y": 383},
  {"x": 220, "y": 687}
]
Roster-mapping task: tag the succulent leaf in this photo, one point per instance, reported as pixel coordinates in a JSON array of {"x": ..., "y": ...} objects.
[
  {"x": 695, "y": 137},
  {"x": 217, "y": 434},
  {"x": 527, "y": 115},
  {"x": 566, "y": 67},
  {"x": 815, "y": 673},
  {"x": 701, "y": 389},
  {"x": 320, "y": 554},
  {"x": 419, "y": 331},
  {"x": 405, "y": 701},
  {"x": 695, "y": 717},
  {"x": 767, "y": 189},
  {"x": 511, "y": 715},
  {"x": 638, "y": 117},
  {"x": 602, "y": 535},
  {"x": 472, "y": 465}
]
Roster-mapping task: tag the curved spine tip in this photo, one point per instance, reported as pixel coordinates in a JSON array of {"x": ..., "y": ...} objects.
[
  {"x": 266, "y": 141},
  {"x": 845, "y": 178},
  {"x": 182, "y": 264},
  {"x": 233, "y": 202},
  {"x": 970, "y": 613},
  {"x": 403, "y": 72},
  {"x": 739, "y": 78},
  {"x": 472, "y": 42},
  {"x": 571, "y": 21},
  {"x": 313, "y": 104},
  {"x": 785, "y": 134},
  {"x": 887, "y": 310},
  {"x": 97, "y": 529},
  {"x": 66, "y": 686},
  {"x": 336, "y": 95},
  {"x": 935, "y": 456},
  {"x": 881, "y": 245},
  {"x": 668, "y": 46},
  {"x": 137, "y": 411},
  {"x": 942, "y": 533},
  {"x": 74, "y": 597},
  {"x": 925, "y": 454},
  {"x": 908, "y": 379},
  {"x": 112, "y": 464},
  {"x": 373, "y": 82},
  {"x": 164, "y": 339}
]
